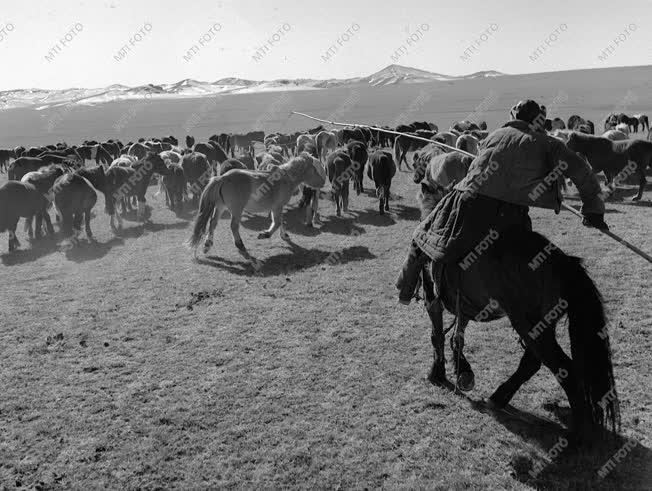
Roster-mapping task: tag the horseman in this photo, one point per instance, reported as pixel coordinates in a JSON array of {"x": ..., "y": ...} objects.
[{"x": 518, "y": 166}]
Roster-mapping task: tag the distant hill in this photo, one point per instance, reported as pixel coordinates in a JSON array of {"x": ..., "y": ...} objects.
[{"x": 390, "y": 75}]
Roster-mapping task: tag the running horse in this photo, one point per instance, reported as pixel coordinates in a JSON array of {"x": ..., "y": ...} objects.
[{"x": 502, "y": 282}]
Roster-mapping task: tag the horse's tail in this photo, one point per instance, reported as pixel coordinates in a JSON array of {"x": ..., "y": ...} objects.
[
  {"x": 210, "y": 198},
  {"x": 397, "y": 151},
  {"x": 590, "y": 348}
]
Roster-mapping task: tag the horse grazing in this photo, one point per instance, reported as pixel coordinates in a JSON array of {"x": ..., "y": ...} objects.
[
  {"x": 359, "y": 155},
  {"x": 21, "y": 199},
  {"x": 134, "y": 180},
  {"x": 74, "y": 197},
  {"x": 255, "y": 192},
  {"x": 43, "y": 180},
  {"x": 339, "y": 169},
  {"x": 502, "y": 282},
  {"x": 381, "y": 169},
  {"x": 612, "y": 157}
]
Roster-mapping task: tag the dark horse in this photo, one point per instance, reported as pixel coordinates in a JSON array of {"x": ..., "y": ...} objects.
[
  {"x": 502, "y": 282},
  {"x": 612, "y": 157},
  {"x": 75, "y": 197},
  {"x": 21, "y": 199}
]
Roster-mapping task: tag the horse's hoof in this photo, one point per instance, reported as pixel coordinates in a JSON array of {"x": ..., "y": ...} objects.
[
  {"x": 207, "y": 246},
  {"x": 466, "y": 381},
  {"x": 285, "y": 237},
  {"x": 264, "y": 235},
  {"x": 437, "y": 375},
  {"x": 636, "y": 198}
]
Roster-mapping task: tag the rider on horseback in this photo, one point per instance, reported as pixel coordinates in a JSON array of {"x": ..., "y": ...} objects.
[{"x": 518, "y": 166}]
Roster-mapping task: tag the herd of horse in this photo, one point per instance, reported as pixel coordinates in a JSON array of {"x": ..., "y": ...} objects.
[
  {"x": 58, "y": 174},
  {"x": 260, "y": 173}
]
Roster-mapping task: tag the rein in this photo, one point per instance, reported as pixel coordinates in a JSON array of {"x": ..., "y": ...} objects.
[{"x": 608, "y": 233}]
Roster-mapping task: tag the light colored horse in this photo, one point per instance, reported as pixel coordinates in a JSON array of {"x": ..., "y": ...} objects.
[
  {"x": 326, "y": 142},
  {"x": 622, "y": 127},
  {"x": 615, "y": 135},
  {"x": 255, "y": 192},
  {"x": 124, "y": 161},
  {"x": 302, "y": 141}
]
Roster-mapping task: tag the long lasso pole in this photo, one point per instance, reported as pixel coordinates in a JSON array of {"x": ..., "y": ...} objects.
[{"x": 566, "y": 206}]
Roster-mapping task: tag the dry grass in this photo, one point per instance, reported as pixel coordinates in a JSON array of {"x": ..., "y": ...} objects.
[{"x": 125, "y": 364}]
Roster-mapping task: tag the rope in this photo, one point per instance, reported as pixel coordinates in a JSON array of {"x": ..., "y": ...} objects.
[{"x": 608, "y": 233}]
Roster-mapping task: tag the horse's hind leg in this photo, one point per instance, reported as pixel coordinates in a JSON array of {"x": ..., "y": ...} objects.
[
  {"x": 527, "y": 367},
  {"x": 77, "y": 224},
  {"x": 48, "y": 223},
  {"x": 463, "y": 371},
  {"x": 235, "y": 231},
  {"x": 13, "y": 240},
  {"x": 641, "y": 181},
  {"x": 546, "y": 348},
  {"x": 208, "y": 243},
  {"x": 435, "y": 311},
  {"x": 87, "y": 223}
]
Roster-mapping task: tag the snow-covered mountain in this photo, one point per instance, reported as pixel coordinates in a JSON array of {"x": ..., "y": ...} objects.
[{"x": 390, "y": 75}]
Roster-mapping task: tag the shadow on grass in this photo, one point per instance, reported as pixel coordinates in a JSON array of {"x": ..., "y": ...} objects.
[
  {"x": 297, "y": 259},
  {"x": 34, "y": 250},
  {"x": 88, "y": 250},
  {"x": 569, "y": 465}
]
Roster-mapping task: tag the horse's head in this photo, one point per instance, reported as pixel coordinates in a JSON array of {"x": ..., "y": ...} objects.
[{"x": 157, "y": 163}]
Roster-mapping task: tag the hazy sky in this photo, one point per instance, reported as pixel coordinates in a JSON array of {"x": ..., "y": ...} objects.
[{"x": 311, "y": 28}]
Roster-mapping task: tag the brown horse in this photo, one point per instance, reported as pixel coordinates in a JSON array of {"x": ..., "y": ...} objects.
[
  {"x": 381, "y": 169},
  {"x": 612, "y": 157},
  {"x": 253, "y": 191},
  {"x": 21, "y": 199},
  {"x": 339, "y": 169}
]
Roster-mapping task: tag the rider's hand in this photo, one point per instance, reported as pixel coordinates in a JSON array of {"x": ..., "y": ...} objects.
[{"x": 595, "y": 220}]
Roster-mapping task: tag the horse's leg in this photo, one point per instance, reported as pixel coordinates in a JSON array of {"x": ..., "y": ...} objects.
[
  {"x": 387, "y": 195},
  {"x": 345, "y": 196},
  {"x": 48, "y": 223},
  {"x": 277, "y": 219},
  {"x": 13, "y": 240},
  {"x": 87, "y": 223},
  {"x": 315, "y": 207},
  {"x": 235, "y": 231},
  {"x": 338, "y": 202},
  {"x": 78, "y": 217},
  {"x": 527, "y": 367},
  {"x": 28, "y": 228},
  {"x": 435, "y": 312},
  {"x": 140, "y": 214},
  {"x": 640, "y": 170},
  {"x": 208, "y": 243},
  {"x": 547, "y": 349},
  {"x": 38, "y": 225},
  {"x": 463, "y": 371}
]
